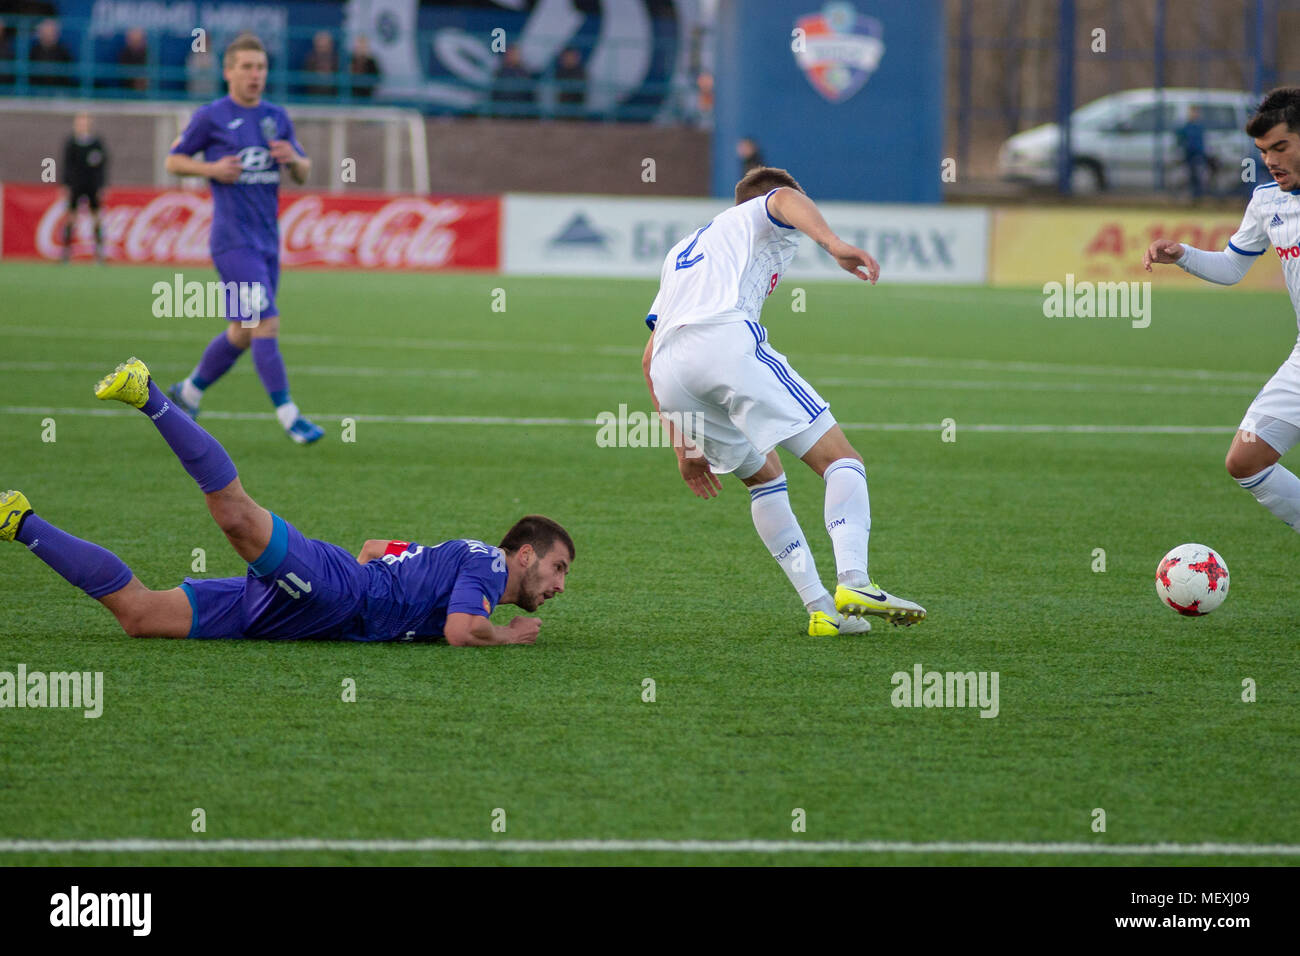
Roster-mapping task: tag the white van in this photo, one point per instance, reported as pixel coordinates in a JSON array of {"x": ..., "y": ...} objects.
[{"x": 1114, "y": 141}]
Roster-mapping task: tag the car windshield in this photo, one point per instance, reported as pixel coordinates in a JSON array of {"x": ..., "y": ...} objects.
[{"x": 1095, "y": 115}]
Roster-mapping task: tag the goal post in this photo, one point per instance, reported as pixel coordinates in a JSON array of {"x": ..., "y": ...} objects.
[{"x": 387, "y": 142}]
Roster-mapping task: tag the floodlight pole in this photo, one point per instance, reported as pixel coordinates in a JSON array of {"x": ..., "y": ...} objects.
[
  {"x": 1065, "y": 96},
  {"x": 1159, "y": 64}
]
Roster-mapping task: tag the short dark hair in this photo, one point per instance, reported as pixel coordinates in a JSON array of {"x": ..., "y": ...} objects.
[
  {"x": 539, "y": 531},
  {"x": 761, "y": 180},
  {"x": 1281, "y": 105},
  {"x": 245, "y": 41}
]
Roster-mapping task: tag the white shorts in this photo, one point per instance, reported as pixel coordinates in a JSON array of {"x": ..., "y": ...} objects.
[
  {"x": 1274, "y": 415},
  {"x": 736, "y": 397}
]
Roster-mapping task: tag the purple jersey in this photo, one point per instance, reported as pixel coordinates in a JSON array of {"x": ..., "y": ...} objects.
[
  {"x": 303, "y": 588},
  {"x": 412, "y": 589},
  {"x": 245, "y": 213}
]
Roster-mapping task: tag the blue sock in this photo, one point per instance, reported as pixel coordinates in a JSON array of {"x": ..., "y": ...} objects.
[
  {"x": 270, "y": 368},
  {"x": 95, "y": 570},
  {"x": 217, "y": 359},
  {"x": 200, "y": 453}
]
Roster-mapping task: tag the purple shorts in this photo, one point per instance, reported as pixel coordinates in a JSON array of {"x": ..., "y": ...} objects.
[
  {"x": 299, "y": 589},
  {"x": 258, "y": 275}
]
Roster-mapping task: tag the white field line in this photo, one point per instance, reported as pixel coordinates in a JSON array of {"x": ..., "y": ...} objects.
[
  {"x": 631, "y": 378},
  {"x": 353, "y": 344},
  {"x": 642, "y": 846},
  {"x": 1029, "y": 429}
]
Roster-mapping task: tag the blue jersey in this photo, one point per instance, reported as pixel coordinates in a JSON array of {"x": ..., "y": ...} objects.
[
  {"x": 246, "y": 212},
  {"x": 307, "y": 589}
]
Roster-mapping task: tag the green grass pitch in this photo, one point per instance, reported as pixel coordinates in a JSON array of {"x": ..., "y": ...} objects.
[{"x": 1107, "y": 699}]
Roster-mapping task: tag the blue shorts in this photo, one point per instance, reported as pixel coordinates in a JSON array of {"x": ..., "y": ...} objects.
[
  {"x": 248, "y": 266},
  {"x": 299, "y": 589}
]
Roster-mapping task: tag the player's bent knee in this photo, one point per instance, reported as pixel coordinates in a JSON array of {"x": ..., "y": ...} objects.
[{"x": 1241, "y": 462}]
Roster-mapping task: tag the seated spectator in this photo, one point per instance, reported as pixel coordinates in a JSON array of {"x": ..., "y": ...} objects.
[
  {"x": 704, "y": 94},
  {"x": 324, "y": 62},
  {"x": 135, "y": 57},
  {"x": 571, "y": 77},
  {"x": 513, "y": 92},
  {"x": 48, "y": 51},
  {"x": 364, "y": 69},
  {"x": 201, "y": 75},
  {"x": 6, "y": 55}
]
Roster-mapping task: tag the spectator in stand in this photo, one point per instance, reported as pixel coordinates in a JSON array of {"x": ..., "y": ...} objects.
[
  {"x": 48, "y": 52},
  {"x": 134, "y": 58},
  {"x": 364, "y": 69},
  {"x": 324, "y": 62},
  {"x": 571, "y": 77},
  {"x": 514, "y": 92},
  {"x": 6, "y": 55},
  {"x": 201, "y": 75},
  {"x": 704, "y": 97}
]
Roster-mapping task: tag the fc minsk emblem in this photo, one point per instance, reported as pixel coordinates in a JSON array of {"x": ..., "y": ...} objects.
[{"x": 838, "y": 49}]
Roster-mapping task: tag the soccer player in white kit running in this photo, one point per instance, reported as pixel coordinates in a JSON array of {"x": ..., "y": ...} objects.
[
  {"x": 713, "y": 375},
  {"x": 1271, "y": 426}
]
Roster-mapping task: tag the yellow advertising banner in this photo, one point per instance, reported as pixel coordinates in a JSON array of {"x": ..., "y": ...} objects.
[{"x": 1031, "y": 247}]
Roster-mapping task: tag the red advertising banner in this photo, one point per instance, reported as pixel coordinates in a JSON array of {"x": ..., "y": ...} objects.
[{"x": 316, "y": 229}]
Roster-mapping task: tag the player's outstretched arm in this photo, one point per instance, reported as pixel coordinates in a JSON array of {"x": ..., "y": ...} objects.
[
  {"x": 474, "y": 630},
  {"x": 1163, "y": 252},
  {"x": 1222, "y": 268},
  {"x": 795, "y": 209}
]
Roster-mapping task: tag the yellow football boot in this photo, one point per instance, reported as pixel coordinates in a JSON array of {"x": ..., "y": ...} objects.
[
  {"x": 128, "y": 383},
  {"x": 821, "y": 624},
  {"x": 13, "y": 508},
  {"x": 873, "y": 599}
]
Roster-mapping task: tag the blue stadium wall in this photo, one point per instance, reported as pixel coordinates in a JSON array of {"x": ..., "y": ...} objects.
[
  {"x": 880, "y": 142},
  {"x": 441, "y": 49}
]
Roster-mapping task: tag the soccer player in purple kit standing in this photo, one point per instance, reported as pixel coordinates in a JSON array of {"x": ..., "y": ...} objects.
[
  {"x": 298, "y": 588},
  {"x": 246, "y": 141}
]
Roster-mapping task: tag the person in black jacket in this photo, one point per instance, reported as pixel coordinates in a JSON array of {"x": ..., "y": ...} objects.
[
  {"x": 48, "y": 49},
  {"x": 85, "y": 173}
]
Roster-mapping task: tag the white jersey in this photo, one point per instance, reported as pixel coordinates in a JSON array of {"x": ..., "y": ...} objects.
[
  {"x": 724, "y": 271},
  {"x": 1273, "y": 217}
]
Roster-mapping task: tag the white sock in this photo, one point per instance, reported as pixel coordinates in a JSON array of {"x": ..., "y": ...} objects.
[
  {"x": 1278, "y": 490},
  {"x": 190, "y": 392},
  {"x": 779, "y": 528},
  {"x": 848, "y": 519},
  {"x": 287, "y": 414}
]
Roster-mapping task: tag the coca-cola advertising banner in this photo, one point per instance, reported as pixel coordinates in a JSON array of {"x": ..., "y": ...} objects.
[{"x": 170, "y": 227}]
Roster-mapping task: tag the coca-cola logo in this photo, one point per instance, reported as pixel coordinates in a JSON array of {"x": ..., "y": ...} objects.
[
  {"x": 171, "y": 227},
  {"x": 407, "y": 232}
]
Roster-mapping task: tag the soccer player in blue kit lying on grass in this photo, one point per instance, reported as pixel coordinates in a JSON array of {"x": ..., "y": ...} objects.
[{"x": 297, "y": 588}]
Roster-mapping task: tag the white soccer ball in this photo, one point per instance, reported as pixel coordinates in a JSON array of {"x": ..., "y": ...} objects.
[{"x": 1192, "y": 579}]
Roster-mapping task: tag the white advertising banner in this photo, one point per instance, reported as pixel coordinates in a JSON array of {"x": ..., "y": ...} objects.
[{"x": 625, "y": 237}]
